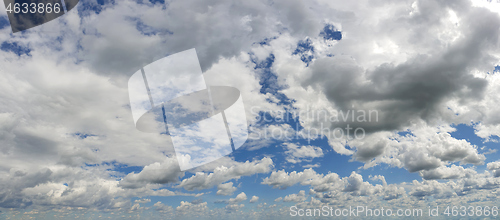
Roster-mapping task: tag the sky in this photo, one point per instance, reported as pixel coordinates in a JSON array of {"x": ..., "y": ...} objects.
[{"x": 374, "y": 103}]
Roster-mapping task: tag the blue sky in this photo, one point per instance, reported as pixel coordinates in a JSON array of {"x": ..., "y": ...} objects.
[{"x": 69, "y": 146}]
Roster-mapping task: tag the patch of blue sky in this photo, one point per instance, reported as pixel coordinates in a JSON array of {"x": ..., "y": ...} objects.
[
  {"x": 268, "y": 79},
  {"x": 126, "y": 169},
  {"x": 330, "y": 162},
  {"x": 405, "y": 133},
  {"x": 4, "y": 22},
  {"x": 150, "y": 1},
  {"x": 157, "y": 1},
  {"x": 122, "y": 169},
  {"x": 329, "y": 32},
  {"x": 266, "y": 41},
  {"x": 466, "y": 132},
  {"x": 15, "y": 47},
  {"x": 86, "y": 7},
  {"x": 148, "y": 30},
  {"x": 497, "y": 69},
  {"x": 306, "y": 51},
  {"x": 83, "y": 135}
]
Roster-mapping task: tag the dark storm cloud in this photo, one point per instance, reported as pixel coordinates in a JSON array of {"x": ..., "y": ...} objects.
[{"x": 416, "y": 88}]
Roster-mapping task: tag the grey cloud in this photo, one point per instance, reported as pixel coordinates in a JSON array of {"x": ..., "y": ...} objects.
[
  {"x": 453, "y": 172},
  {"x": 158, "y": 173},
  {"x": 419, "y": 86},
  {"x": 419, "y": 160},
  {"x": 495, "y": 168},
  {"x": 162, "y": 207},
  {"x": 226, "y": 189},
  {"x": 214, "y": 28},
  {"x": 11, "y": 188},
  {"x": 354, "y": 182},
  {"x": 370, "y": 150}
]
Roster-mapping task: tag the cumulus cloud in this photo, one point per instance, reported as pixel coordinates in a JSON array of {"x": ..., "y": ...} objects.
[
  {"x": 299, "y": 197},
  {"x": 190, "y": 207},
  {"x": 160, "y": 207},
  {"x": 425, "y": 148},
  {"x": 495, "y": 167},
  {"x": 239, "y": 198},
  {"x": 254, "y": 199},
  {"x": 226, "y": 189},
  {"x": 234, "y": 207},
  {"x": 222, "y": 174},
  {"x": 142, "y": 201},
  {"x": 157, "y": 173},
  {"x": 296, "y": 153},
  {"x": 453, "y": 172},
  {"x": 281, "y": 179}
]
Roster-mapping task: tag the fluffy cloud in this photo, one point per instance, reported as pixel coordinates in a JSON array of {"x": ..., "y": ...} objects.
[
  {"x": 160, "y": 207},
  {"x": 185, "y": 207},
  {"x": 254, "y": 199},
  {"x": 226, "y": 189},
  {"x": 299, "y": 197},
  {"x": 453, "y": 172},
  {"x": 157, "y": 173},
  {"x": 234, "y": 207},
  {"x": 425, "y": 148},
  {"x": 222, "y": 174},
  {"x": 295, "y": 153},
  {"x": 431, "y": 84},
  {"x": 142, "y": 201},
  {"x": 281, "y": 179},
  {"x": 495, "y": 167},
  {"x": 239, "y": 198}
]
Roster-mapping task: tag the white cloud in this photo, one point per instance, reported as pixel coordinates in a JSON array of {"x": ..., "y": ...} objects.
[
  {"x": 295, "y": 153},
  {"x": 234, "y": 207},
  {"x": 254, "y": 199},
  {"x": 142, "y": 201},
  {"x": 452, "y": 172},
  {"x": 160, "y": 207},
  {"x": 222, "y": 174},
  {"x": 158, "y": 173},
  {"x": 239, "y": 198},
  {"x": 299, "y": 197},
  {"x": 281, "y": 179},
  {"x": 495, "y": 167},
  {"x": 186, "y": 207},
  {"x": 226, "y": 189}
]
